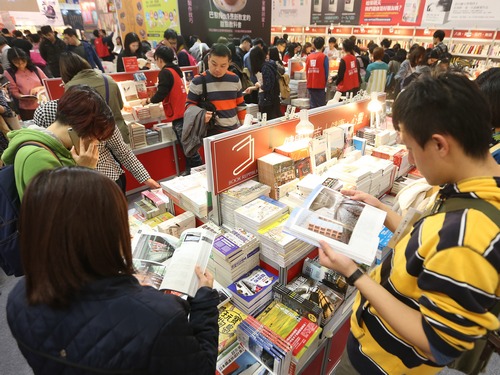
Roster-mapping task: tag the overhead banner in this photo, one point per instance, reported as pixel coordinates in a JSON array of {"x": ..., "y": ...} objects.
[
  {"x": 34, "y": 13},
  {"x": 327, "y": 12},
  {"x": 211, "y": 19},
  {"x": 392, "y": 12},
  {"x": 461, "y": 13},
  {"x": 160, "y": 15},
  {"x": 291, "y": 12}
]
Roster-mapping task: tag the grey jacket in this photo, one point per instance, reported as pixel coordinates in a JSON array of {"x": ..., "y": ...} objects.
[{"x": 193, "y": 130}]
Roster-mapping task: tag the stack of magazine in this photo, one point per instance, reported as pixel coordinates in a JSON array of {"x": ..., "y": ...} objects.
[
  {"x": 234, "y": 253},
  {"x": 349, "y": 227},
  {"x": 266, "y": 345},
  {"x": 253, "y": 291},
  {"x": 259, "y": 213},
  {"x": 168, "y": 263},
  {"x": 237, "y": 360},
  {"x": 282, "y": 248},
  {"x": 239, "y": 195},
  {"x": 300, "y": 332}
]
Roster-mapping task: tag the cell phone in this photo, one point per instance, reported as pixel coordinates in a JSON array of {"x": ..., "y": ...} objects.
[{"x": 75, "y": 139}]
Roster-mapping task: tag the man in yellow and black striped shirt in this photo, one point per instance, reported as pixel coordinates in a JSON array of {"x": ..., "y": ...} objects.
[{"x": 430, "y": 301}]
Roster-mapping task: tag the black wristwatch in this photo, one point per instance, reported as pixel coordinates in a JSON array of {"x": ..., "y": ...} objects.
[{"x": 355, "y": 275}]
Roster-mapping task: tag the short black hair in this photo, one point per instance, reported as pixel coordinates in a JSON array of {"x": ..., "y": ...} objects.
[
  {"x": 386, "y": 43},
  {"x": 280, "y": 41},
  {"x": 246, "y": 38},
  {"x": 5, "y": 30},
  {"x": 438, "y": 34},
  {"x": 17, "y": 33},
  {"x": 447, "y": 104},
  {"x": 46, "y": 29},
  {"x": 348, "y": 46},
  {"x": 96, "y": 33},
  {"x": 258, "y": 41},
  {"x": 489, "y": 84},
  {"x": 70, "y": 32},
  {"x": 170, "y": 34},
  {"x": 3, "y": 41},
  {"x": 319, "y": 42},
  {"x": 165, "y": 53},
  {"x": 220, "y": 50},
  {"x": 332, "y": 39}
]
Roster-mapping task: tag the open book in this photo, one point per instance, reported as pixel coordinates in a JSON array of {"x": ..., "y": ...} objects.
[
  {"x": 349, "y": 227},
  {"x": 166, "y": 262}
]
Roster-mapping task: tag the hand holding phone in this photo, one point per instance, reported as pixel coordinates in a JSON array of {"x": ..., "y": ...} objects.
[{"x": 75, "y": 139}]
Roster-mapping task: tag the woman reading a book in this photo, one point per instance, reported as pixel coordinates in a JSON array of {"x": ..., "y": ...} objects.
[{"x": 80, "y": 309}]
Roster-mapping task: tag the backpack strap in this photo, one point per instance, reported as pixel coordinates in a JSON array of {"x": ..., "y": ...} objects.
[
  {"x": 457, "y": 204},
  {"x": 204, "y": 83},
  {"x": 41, "y": 145},
  {"x": 106, "y": 87}
]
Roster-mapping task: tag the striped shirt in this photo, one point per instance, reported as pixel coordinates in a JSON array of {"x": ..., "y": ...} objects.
[
  {"x": 448, "y": 269},
  {"x": 112, "y": 148},
  {"x": 224, "y": 93}
]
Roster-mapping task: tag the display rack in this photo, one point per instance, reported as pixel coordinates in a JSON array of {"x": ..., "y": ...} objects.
[{"x": 231, "y": 158}]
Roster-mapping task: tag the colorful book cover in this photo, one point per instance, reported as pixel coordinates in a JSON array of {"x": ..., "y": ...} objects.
[
  {"x": 229, "y": 319},
  {"x": 253, "y": 285}
]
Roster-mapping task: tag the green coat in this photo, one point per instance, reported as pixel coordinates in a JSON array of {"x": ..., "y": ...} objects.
[
  {"x": 94, "y": 79},
  {"x": 31, "y": 160}
]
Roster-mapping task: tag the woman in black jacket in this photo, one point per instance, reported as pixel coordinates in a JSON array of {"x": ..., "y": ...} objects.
[
  {"x": 79, "y": 309},
  {"x": 132, "y": 47}
]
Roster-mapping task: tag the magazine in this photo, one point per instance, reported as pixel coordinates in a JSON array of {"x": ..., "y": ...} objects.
[
  {"x": 167, "y": 263},
  {"x": 349, "y": 227}
]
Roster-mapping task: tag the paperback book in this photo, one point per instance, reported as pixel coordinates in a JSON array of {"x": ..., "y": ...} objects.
[
  {"x": 229, "y": 319},
  {"x": 349, "y": 227}
]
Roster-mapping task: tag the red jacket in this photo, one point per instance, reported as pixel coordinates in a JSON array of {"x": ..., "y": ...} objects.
[
  {"x": 174, "y": 103},
  {"x": 351, "y": 80},
  {"x": 101, "y": 48},
  {"x": 315, "y": 70}
]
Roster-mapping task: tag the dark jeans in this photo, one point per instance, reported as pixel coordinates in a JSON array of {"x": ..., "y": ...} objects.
[
  {"x": 194, "y": 160},
  {"x": 317, "y": 98},
  {"x": 122, "y": 182}
]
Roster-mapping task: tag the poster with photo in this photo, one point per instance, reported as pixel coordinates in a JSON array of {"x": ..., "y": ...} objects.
[
  {"x": 392, "y": 12},
  {"x": 131, "y": 18},
  {"x": 291, "y": 12},
  {"x": 461, "y": 13},
  {"x": 211, "y": 19},
  {"x": 160, "y": 15},
  {"x": 327, "y": 12},
  {"x": 39, "y": 12}
]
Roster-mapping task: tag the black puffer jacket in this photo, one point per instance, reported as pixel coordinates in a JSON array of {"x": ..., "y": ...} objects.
[{"x": 117, "y": 326}]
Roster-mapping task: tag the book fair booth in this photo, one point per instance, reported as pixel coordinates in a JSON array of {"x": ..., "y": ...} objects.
[{"x": 245, "y": 194}]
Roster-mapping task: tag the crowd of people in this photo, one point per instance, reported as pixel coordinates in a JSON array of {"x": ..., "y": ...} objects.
[{"x": 79, "y": 308}]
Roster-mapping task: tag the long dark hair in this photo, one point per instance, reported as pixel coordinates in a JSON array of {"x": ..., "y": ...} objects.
[
  {"x": 82, "y": 235},
  {"x": 257, "y": 59},
  {"x": 129, "y": 39},
  {"x": 14, "y": 54}
]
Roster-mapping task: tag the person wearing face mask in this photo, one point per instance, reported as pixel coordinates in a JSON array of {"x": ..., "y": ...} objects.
[{"x": 131, "y": 48}]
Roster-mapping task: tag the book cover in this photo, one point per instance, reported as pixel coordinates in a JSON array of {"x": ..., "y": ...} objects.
[
  {"x": 298, "y": 331},
  {"x": 349, "y": 227},
  {"x": 318, "y": 148},
  {"x": 236, "y": 360},
  {"x": 153, "y": 246},
  {"x": 296, "y": 302},
  {"x": 128, "y": 90},
  {"x": 335, "y": 142},
  {"x": 253, "y": 285},
  {"x": 229, "y": 319},
  {"x": 130, "y": 64}
]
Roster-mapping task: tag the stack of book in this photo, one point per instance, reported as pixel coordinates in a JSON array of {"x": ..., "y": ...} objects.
[
  {"x": 383, "y": 173},
  {"x": 146, "y": 209},
  {"x": 253, "y": 291},
  {"x": 280, "y": 247},
  {"x": 302, "y": 334},
  {"x": 259, "y": 213},
  {"x": 275, "y": 170},
  {"x": 137, "y": 221},
  {"x": 252, "y": 109},
  {"x": 398, "y": 154},
  {"x": 270, "y": 349},
  {"x": 238, "y": 196},
  {"x": 234, "y": 253},
  {"x": 352, "y": 174},
  {"x": 175, "y": 187},
  {"x": 299, "y": 152},
  {"x": 158, "y": 199},
  {"x": 195, "y": 200},
  {"x": 152, "y": 136},
  {"x": 178, "y": 224},
  {"x": 137, "y": 133}
]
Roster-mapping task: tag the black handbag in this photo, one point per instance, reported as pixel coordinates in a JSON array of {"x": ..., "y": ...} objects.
[{"x": 206, "y": 104}]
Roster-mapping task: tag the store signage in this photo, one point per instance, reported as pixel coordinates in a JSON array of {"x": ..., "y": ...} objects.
[
  {"x": 275, "y": 29},
  {"x": 428, "y": 32},
  {"x": 234, "y": 157},
  {"x": 366, "y": 30},
  {"x": 315, "y": 30},
  {"x": 397, "y": 31},
  {"x": 392, "y": 12},
  {"x": 474, "y": 34},
  {"x": 341, "y": 30},
  {"x": 295, "y": 29}
]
